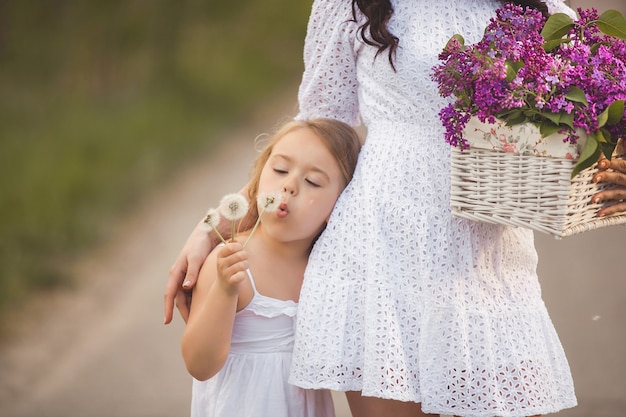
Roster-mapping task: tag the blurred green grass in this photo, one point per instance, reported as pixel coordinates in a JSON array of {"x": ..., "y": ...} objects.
[{"x": 101, "y": 100}]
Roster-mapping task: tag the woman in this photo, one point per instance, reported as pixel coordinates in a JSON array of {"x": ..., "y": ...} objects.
[
  {"x": 450, "y": 315},
  {"x": 404, "y": 307}
]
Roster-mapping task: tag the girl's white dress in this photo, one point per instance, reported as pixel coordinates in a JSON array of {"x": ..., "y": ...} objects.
[
  {"x": 253, "y": 382},
  {"x": 400, "y": 299}
]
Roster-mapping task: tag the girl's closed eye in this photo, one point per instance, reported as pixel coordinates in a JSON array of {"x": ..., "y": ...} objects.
[{"x": 312, "y": 183}]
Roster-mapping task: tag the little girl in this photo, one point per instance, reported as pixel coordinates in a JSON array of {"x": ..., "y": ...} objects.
[{"x": 239, "y": 337}]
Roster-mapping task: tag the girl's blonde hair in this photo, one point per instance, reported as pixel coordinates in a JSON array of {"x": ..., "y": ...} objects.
[{"x": 340, "y": 139}]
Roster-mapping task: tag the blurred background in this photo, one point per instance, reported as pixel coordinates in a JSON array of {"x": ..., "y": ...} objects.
[
  {"x": 101, "y": 100},
  {"x": 112, "y": 115}
]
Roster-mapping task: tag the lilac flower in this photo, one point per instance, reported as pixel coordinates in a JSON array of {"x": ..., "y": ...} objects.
[{"x": 523, "y": 70}]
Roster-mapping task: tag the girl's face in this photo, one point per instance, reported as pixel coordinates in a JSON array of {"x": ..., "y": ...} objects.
[{"x": 310, "y": 179}]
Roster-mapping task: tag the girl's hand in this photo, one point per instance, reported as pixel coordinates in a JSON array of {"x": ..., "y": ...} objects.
[
  {"x": 184, "y": 273},
  {"x": 232, "y": 263},
  {"x": 617, "y": 176}
]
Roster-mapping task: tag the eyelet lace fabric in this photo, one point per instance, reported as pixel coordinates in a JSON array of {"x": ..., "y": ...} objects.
[{"x": 400, "y": 299}]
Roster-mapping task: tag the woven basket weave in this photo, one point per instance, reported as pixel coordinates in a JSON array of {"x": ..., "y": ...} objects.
[{"x": 526, "y": 191}]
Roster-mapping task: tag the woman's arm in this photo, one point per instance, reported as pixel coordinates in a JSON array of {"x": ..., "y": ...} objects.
[
  {"x": 207, "y": 337},
  {"x": 616, "y": 175},
  {"x": 329, "y": 86},
  {"x": 559, "y": 6},
  {"x": 184, "y": 273}
]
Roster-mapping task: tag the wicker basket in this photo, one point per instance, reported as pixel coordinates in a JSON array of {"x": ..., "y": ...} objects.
[{"x": 528, "y": 191}]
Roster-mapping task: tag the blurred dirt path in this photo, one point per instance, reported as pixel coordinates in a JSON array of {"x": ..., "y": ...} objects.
[{"x": 102, "y": 350}]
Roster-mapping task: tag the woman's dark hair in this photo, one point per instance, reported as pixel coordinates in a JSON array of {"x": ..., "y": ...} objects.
[
  {"x": 377, "y": 13},
  {"x": 374, "y": 31}
]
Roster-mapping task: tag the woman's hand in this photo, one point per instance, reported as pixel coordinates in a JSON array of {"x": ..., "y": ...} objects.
[
  {"x": 184, "y": 273},
  {"x": 613, "y": 171}
]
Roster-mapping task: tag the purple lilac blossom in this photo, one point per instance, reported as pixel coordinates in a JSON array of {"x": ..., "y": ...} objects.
[{"x": 476, "y": 76}]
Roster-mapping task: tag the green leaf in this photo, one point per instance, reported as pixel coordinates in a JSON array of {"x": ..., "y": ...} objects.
[
  {"x": 552, "y": 44},
  {"x": 505, "y": 114},
  {"x": 590, "y": 148},
  {"x": 560, "y": 119},
  {"x": 515, "y": 119},
  {"x": 588, "y": 156},
  {"x": 547, "y": 129},
  {"x": 603, "y": 117},
  {"x": 557, "y": 26},
  {"x": 553, "y": 117},
  {"x": 608, "y": 149},
  {"x": 512, "y": 116},
  {"x": 568, "y": 119},
  {"x": 577, "y": 95},
  {"x": 459, "y": 38},
  {"x": 594, "y": 48},
  {"x": 511, "y": 73},
  {"x": 613, "y": 23},
  {"x": 615, "y": 112},
  {"x": 517, "y": 65}
]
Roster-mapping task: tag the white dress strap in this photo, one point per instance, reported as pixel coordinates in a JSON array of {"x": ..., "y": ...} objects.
[{"x": 252, "y": 281}]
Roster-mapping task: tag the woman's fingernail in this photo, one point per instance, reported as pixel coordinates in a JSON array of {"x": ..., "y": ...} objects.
[{"x": 186, "y": 284}]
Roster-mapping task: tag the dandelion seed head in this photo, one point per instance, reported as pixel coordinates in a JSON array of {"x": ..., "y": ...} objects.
[
  {"x": 233, "y": 206},
  {"x": 269, "y": 202},
  {"x": 212, "y": 218}
]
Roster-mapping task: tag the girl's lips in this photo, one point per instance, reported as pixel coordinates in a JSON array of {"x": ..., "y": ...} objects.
[{"x": 283, "y": 210}]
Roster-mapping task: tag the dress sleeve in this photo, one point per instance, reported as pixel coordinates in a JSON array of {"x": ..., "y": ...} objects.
[
  {"x": 559, "y": 6},
  {"x": 329, "y": 85}
]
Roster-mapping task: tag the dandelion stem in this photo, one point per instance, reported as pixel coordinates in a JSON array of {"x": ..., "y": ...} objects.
[
  {"x": 258, "y": 220},
  {"x": 218, "y": 234}
]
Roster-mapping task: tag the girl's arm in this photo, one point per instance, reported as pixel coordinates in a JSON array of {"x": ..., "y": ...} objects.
[{"x": 207, "y": 337}]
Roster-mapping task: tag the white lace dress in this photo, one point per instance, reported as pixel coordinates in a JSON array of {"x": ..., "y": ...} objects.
[
  {"x": 400, "y": 299},
  {"x": 253, "y": 381}
]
